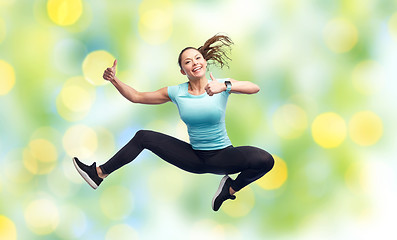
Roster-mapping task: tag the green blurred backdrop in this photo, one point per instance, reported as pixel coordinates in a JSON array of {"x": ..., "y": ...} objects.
[{"x": 325, "y": 111}]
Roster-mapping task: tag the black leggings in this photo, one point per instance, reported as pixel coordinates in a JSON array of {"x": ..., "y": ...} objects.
[{"x": 251, "y": 162}]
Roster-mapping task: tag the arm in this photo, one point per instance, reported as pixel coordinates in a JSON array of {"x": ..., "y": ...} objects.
[
  {"x": 157, "y": 97},
  {"x": 242, "y": 87}
]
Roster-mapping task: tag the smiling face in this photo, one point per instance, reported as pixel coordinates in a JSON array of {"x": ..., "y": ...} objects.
[{"x": 193, "y": 64}]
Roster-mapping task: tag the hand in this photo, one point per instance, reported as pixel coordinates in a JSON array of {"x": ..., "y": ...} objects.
[
  {"x": 214, "y": 87},
  {"x": 110, "y": 73}
]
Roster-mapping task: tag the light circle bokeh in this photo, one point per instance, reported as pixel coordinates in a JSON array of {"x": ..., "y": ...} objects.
[
  {"x": 8, "y": 230},
  {"x": 329, "y": 130},
  {"x": 81, "y": 141},
  {"x": 94, "y": 64},
  {"x": 365, "y": 128},
  {"x": 155, "y": 26},
  {"x": 7, "y": 79},
  {"x": 340, "y": 35},
  {"x": 64, "y": 12},
  {"x": 276, "y": 177},
  {"x": 40, "y": 157},
  {"x": 42, "y": 216},
  {"x": 75, "y": 99}
]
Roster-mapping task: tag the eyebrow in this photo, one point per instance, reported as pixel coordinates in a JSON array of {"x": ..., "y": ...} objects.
[{"x": 190, "y": 58}]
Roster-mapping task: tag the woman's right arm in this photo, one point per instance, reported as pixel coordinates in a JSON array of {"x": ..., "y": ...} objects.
[{"x": 157, "y": 97}]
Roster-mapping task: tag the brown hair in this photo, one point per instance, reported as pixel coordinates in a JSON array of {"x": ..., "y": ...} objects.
[{"x": 215, "y": 49}]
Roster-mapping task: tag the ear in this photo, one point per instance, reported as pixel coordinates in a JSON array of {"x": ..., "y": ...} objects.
[{"x": 183, "y": 72}]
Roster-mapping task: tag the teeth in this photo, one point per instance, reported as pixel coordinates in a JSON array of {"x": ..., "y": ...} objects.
[{"x": 197, "y": 68}]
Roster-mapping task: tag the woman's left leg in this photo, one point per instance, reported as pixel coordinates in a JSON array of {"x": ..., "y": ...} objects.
[{"x": 251, "y": 162}]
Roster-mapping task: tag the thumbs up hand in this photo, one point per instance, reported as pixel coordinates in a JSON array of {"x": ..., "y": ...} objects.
[
  {"x": 214, "y": 87},
  {"x": 110, "y": 73}
]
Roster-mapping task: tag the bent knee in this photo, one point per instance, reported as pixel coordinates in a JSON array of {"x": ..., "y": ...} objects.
[
  {"x": 142, "y": 133},
  {"x": 264, "y": 161}
]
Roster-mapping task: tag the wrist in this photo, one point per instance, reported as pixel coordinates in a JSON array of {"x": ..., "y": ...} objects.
[{"x": 228, "y": 86}]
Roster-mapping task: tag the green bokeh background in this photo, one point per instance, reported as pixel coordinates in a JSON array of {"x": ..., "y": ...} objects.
[{"x": 343, "y": 192}]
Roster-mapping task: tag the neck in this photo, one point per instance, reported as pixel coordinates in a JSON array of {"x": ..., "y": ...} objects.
[{"x": 197, "y": 85}]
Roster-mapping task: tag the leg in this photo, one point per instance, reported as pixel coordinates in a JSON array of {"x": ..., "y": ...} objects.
[
  {"x": 172, "y": 150},
  {"x": 251, "y": 162}
]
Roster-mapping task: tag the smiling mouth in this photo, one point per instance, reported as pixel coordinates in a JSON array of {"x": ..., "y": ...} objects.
[{"x": 197, "y": 69}]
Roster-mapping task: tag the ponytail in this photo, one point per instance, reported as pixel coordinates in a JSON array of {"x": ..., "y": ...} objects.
[{"x": 216, "y": 49}]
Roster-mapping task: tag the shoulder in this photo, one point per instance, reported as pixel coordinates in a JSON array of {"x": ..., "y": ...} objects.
[{"x": 174, "y": 91}]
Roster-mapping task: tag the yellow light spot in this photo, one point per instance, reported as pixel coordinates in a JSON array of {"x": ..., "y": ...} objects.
[
  {"x": 368, "y": 77},
  {"x": 7, "y": 79},
  {"x": 340, "y": 35},
  {"x": 42, "y": 216},
  {"x": 121, "y": 231},
  {"x": 40, "y": 157},
  {"x": 80, "y": 141},
  {"x": 365, "y": 128},
  {"x": 116, "y": 202},
  {"x": 8, "y": 230},
  {"x": 290, "y": 121},
  {"x": 393, "y": 26},
  {"x": 75, "y": 99},
  {"x": 329, "y": 130},
  {"x": 2, "y": 30},
  {"x": 94, "y": 64},
  {"x": 64, "y": 12},
  {"x": 240, "y": 208},
  {"x": 155, "y": 23},
  {"x": 276, "y": 177}
]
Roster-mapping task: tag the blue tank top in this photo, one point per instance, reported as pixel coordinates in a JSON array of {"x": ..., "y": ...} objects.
[{"x": 203, "y": 115}]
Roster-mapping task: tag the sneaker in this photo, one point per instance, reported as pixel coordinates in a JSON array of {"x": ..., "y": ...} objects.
[
  {"x": 89, "y": 173},
  {"x": 223, "y": 193}
]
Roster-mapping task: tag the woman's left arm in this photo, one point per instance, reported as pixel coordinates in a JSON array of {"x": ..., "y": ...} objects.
[{"x": 243, "y": 87}]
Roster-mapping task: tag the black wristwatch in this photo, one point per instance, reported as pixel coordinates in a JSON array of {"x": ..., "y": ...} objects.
[{"x": 228, "y": 86}]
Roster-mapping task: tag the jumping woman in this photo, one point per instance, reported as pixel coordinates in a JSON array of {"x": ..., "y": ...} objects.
[{"x": 202, "y": 104}]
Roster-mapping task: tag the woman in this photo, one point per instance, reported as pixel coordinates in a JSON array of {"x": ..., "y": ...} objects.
[{"x": 201, "y": 104}]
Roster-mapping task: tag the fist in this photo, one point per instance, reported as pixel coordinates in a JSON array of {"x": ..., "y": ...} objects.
[{"x": 110, "y": 73}]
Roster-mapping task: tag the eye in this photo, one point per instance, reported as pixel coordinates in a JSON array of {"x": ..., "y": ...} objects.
[
  {"x": 187, "y": 62},
  {"x": 198, "y": 57}
]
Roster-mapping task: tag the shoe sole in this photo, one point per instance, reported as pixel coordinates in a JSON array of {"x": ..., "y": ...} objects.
[
  {"x": 219, "y": 190},
  {"x": 85, "y": 175}
]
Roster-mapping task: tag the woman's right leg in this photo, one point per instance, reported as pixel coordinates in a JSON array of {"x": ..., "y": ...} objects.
[{"x": 172, "y": 150}]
